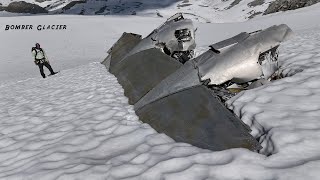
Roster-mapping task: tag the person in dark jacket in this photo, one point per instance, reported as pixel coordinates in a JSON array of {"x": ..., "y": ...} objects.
[{"x": 40, "y": 59}]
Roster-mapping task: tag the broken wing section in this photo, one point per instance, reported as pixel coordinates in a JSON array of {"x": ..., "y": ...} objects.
[
  {"x": 239, "y": 62},
  {"x": 196, "y": 116},
  {"x": 220, "y": 46},
  {"x": 183, "y": 78}
]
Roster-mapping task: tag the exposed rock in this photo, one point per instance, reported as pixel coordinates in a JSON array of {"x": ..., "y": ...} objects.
[
  {"x": 255, "y": 3},
  {"x": 201, "y": 5},
  {"x": 235, "y": 2},
  {"x": 82, "y": 11},
  {"x": 254, "y": 15},
  {"x": 73, "y": 3},
  {"x": 40, "y": 1},
  {"x": 158, "y": 14},
  {"x": 101, "y": 10},
  {"x": 24, "y": 7},
  {"x": 183, "y": 5},
  {"x": 1, "y": 8},
  {"x": 285, "y": 5}
]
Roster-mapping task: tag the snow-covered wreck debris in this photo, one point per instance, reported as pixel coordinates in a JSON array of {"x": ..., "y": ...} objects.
[{"x": 176, "y": 94}]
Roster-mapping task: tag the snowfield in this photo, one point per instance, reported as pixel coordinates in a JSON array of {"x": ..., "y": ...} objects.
[
  {"x": 78, "y": 124},
  {"x": 87, "y": 38},
  {"x": 211, "y": 11}
]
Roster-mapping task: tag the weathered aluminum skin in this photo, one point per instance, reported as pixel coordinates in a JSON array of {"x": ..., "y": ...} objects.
[
  {"x": 187, "y": 111},
  {"x": 239, "y": 62},
  {"x": 165, "y": 34},
  {"x": 141, "y": 72},
  {"x": 185, "y": 77},
  {"x": 230, "y": 42},
  {"x": 174, "y": 98},
  {"x": 120, "y": 49},
  {"x": 233, "y": 59},
  {"x": 196, "y": 116}
]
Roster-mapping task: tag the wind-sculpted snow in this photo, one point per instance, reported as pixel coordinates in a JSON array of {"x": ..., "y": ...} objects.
[
  {"x": 78, "y": 125},
  {"x": 285, "y": 115}
]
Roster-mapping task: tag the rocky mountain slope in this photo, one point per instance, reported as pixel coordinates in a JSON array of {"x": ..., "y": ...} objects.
[{"x": 207, "y": 10}]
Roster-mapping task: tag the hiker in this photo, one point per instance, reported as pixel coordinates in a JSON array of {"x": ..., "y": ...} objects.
[{"x": 41, "y": 60}]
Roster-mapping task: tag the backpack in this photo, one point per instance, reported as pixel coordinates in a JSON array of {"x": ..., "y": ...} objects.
[{"x": 33, "y": 48}]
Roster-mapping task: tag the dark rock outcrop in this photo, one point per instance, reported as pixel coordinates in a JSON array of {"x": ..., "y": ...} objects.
[
  {"x": 101, "y": 10},
  {"x": 2, "y": 8},
  {"x": 73, "y": 3},
  {"x": 24, "y": 7},
  {"x": 254, "y": 14},
  {"x": 234, "y": 3},
  {"x": 41, "y": 1},
  {"x": 255, "y": 3},
  {"x": 285, "y": 5}
]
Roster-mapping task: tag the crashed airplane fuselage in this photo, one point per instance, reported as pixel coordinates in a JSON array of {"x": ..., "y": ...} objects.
[
  {"x": 174, "y": 94},
  {"x": 175, "y": 37}
]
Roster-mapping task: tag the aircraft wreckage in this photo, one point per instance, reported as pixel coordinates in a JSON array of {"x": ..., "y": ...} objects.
[{"x": 182, "y": 96}]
